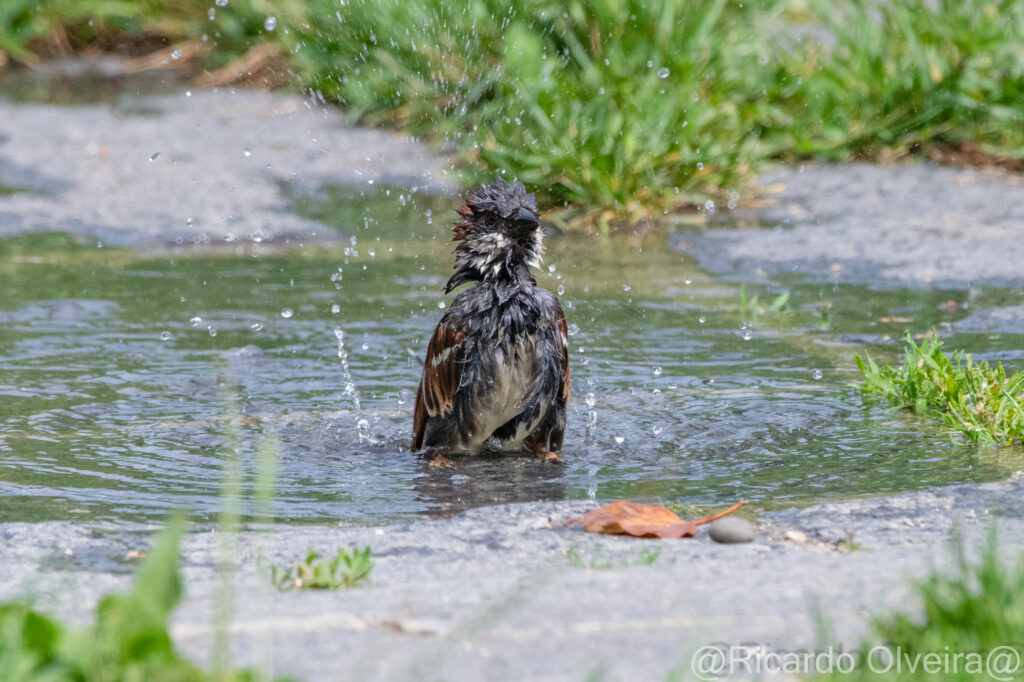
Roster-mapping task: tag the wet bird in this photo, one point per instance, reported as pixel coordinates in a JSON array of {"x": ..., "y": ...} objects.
[{"x": 496, "y": 374}]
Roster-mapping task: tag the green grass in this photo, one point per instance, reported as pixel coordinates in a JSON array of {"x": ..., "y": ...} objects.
[
  {"x": 348, "y": 568},
  {"x": 616, "y": 111},
  {"x": 977, "y": 609},
  {"x": 975, "y": 398},
  {"x": 128, "y": 640},
  {"x": 905, "y": 74}
]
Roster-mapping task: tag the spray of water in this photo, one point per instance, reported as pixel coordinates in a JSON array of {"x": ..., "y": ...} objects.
[{"x": 350, "y": 392}]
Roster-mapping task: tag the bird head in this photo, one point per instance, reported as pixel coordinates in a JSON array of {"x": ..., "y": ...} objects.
[{"x": 499, "y": 234}]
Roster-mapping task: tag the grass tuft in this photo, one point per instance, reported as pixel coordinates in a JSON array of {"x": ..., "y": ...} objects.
[
  {"x": 964, "y": 616},
  {"x": 978, "y": 400},
  {"x": 128, "y": 640},
  {"x": 905, "y": 76},
  {"x": 348, "y": 568}
]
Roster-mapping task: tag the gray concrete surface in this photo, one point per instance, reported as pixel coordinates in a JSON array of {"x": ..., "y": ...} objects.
[
  {"x": 908, "y": 225},
  {"x": 498, "y": 593},
  {"x": 192, "y": 167}
]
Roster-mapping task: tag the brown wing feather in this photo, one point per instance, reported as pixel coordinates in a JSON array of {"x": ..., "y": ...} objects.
[
  {"x": 442, "y": 372},
  {"x": 563, "y": 328}
]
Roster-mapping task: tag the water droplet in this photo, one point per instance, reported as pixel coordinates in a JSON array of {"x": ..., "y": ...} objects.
[
  {"x": 709, "y": 207},
  {"x": 649, "y": 63},
  {"x": 700, "y": 166},
  {"x": 441, "y": 305},
  {"x": 702, "y": 319},
  {"x": 211, "y": 330},
  {"x": 626, "y": 287},
  {"x": 657, "y": 371},
  {"x": 573, "y": 329},
  {"x": 247, "y": 153},
  {"x": 256, "y": 327},
  {"x": 176, "y": 55},
  {"x": 196, "y": 321},
  {"x": 561, "y": 290},
  {"x": 365, "y": 346},
  {"x": 619, "y": 439},
  {"x": 270, "y": 24},
  {"x": 816, "y": 374},
  {"x": 591, "y": 400},
  {"x": 663, "y": 73},
  {"x": 657, "y": 429},
  {"x": 335, "y": 308},
  {"x": 165, "y": 336},
  {"x": 222, "y": 3},
  {"x": 747, "y": 334},
  {"x": 287, "y": 312}
]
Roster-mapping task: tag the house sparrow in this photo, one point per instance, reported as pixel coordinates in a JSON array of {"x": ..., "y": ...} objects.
[{"x": 496, "y": 375}]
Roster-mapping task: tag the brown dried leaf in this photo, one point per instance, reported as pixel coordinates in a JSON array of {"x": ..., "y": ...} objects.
[
  {"x": 623, "y": 517},
  {"x": 894, "y": 320}
]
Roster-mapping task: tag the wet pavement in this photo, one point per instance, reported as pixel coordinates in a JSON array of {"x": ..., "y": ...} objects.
[
  {"x": 192, "y": 167},
  {"x": 907, "y": 225},
  {"x": 507, "y": 593}
]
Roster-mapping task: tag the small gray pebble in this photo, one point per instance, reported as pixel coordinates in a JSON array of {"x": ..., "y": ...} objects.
[{"x": 731, "y": 529}]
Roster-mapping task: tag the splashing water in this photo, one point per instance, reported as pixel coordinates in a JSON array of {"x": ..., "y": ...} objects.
[{"x": 350, "y": 391}]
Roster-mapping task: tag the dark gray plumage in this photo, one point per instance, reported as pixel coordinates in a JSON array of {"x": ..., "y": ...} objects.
[{"x": 496, "y": 374}]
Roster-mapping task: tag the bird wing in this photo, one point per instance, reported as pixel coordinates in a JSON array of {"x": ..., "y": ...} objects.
[
  {"x": 442, "y": 372},
  {"x": 563, "y": 331}
]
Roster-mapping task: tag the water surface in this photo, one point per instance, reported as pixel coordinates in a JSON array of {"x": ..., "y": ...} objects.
[{"x": 126, "y": 377}]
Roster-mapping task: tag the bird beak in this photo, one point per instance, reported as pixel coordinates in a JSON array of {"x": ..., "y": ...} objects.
[{"x": 526, "y": 217}]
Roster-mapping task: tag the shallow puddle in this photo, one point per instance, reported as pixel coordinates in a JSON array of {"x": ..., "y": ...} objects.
[{"x": 125, "y": 376}]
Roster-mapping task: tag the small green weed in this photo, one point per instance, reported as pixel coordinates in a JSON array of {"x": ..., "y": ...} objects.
[
  {"x": 347, "y": 569},
  {"x": 128, "y": 640},
  {"x": 979, "y": 400}
]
